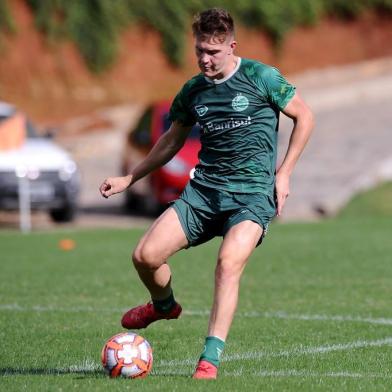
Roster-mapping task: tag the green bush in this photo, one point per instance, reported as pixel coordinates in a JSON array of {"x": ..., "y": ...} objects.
[
  {"x": 95, "y": 25},
  {"x": 278, "y": 17},
  {"x": 6, "y": 22}
]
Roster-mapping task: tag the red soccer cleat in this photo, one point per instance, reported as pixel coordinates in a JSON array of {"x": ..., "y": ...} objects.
[
  {"x": 142, "y": 316},
  {"x": 205, "y": 371}
]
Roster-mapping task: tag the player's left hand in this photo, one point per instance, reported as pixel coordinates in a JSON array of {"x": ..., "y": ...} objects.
[{"x": 282, "y": 190}]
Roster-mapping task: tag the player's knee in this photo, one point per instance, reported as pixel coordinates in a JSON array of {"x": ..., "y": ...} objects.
[
  {"x": 227, "y": 270},
  {"x": 146, "y": 257}
]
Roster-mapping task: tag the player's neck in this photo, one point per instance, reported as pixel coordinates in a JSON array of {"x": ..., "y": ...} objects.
[{"x": 231, "y": 66}]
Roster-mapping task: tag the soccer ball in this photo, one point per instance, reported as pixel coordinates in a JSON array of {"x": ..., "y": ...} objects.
[{"x": 127, "y": 354}]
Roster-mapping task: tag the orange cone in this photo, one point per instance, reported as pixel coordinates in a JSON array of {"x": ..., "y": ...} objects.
[{"x": 67, "y": 244}]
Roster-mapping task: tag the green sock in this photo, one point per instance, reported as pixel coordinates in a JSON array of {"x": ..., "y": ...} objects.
[
  {"x": 212, "y": 350},
  {"x": 164, "y": 305}
]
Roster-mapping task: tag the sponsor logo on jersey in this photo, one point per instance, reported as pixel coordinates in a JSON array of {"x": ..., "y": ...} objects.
[
  {"x": 229, "y": 124},
  {"x": 240, "y": 103},
  {"x": 201, "y": 110}
]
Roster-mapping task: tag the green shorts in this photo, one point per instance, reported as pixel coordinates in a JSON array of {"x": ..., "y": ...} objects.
[{"x": 206, "y": 212}]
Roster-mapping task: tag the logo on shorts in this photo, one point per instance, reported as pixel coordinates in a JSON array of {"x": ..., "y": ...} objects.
[
  {"x": 239, "y": 103},
  {"x": 201, "y": 110}
]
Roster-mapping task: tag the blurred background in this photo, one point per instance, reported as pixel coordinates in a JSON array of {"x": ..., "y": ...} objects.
[{"x": 85, "y": 88}]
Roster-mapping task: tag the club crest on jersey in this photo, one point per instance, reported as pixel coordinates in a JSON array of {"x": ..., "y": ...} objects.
[
  {"x": 239, "y": 103},
  {"x": 201, "y": 110}
]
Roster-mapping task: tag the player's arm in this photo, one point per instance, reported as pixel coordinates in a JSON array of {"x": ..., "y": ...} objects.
[
  {"x": 164, "y": 149},
  {"x": 302, "y": 117}
]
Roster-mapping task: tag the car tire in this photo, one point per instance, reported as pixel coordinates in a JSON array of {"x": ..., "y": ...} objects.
[
  {"x": 64, "y": 214},
  {"x": 133, "y": 203},
  {"x": 144, "y": 205}
]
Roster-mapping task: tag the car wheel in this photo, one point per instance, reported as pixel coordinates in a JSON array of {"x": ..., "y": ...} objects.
[
  {"x": 133, "y": 202},
  {"x": 63, "y": 214},
  {"x": 139, "y": 204}
]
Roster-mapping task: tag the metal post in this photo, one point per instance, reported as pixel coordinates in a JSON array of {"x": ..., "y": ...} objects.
[{"x": 24, "y": 204}]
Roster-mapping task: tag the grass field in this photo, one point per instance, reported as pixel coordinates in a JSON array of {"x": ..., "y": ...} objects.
[{"x": 315, "y": 311}]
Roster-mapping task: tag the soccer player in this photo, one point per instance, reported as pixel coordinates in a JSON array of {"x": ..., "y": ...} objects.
[{"x": 236, "y": 189}]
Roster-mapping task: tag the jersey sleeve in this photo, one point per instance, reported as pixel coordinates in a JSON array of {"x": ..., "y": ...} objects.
[
  {"x": 276, "y": 88},
  {"x": 179, "y": 110}
]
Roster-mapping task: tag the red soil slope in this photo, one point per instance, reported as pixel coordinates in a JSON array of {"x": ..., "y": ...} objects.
[{"x": 52, "y": 83}]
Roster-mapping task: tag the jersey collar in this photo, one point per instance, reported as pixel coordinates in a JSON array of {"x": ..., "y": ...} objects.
[{"x": 219, "y": 81}]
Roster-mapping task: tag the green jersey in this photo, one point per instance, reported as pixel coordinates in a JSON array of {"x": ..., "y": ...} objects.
[{"x": 239, "y": 119}]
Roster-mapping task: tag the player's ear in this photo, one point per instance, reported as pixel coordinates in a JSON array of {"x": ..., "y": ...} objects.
[{"x": 233, "y": 45}]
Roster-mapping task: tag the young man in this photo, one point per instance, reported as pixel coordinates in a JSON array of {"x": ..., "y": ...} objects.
[{"x": 234, "y": 192}]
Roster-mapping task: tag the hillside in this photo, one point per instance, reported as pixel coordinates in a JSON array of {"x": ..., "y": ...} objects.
[{"x": 52, "y": 83}]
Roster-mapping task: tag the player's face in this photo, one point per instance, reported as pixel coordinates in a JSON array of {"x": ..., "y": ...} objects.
[{"x": 214, "y": 57}]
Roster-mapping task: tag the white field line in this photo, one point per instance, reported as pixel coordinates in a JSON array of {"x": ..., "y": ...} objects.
[
  {"x": 86, "y": 366},
  {"x": 298, "y": 351},
  {"x": 90, "y": 366},
  {"x": 308, "y": 374},
  {"x": 280, "y": 374},
  {"x": 205, "y": 313},
  {"x": 166, "y": 367}
]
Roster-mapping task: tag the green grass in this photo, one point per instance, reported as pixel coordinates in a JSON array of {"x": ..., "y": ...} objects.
[
  {"x": 374, "y": 202},
  {"x": 314, "y": 314}
]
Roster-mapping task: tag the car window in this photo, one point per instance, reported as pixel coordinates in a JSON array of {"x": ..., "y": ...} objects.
[
  {"x": 141, "y": 136},
  {"x": 195, "y": 131},
  {"x": 30, "y": 129},
  {"x": 28, "y": 125}
]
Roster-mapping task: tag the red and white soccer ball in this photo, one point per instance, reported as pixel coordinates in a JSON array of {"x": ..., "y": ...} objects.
[{"x": 127, "y": 354}]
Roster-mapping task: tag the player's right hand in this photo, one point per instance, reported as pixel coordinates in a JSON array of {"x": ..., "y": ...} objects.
[
  {"x": 114, "y": 185},
  {"x": 282, "y": 190}
]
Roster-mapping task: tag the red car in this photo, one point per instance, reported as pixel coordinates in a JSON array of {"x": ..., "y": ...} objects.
[{"x": 164, "y": 184}]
